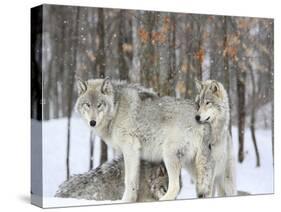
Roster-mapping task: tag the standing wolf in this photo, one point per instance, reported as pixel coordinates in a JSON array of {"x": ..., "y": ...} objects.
[
  {"x": 213, "y": 108},
  {"x": 141, "y": 125}
]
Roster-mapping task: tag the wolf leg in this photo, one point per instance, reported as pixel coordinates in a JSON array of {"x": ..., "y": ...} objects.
[
  {"x": 226, "y": 183},
  {"x": 214, "y": 189},
  {"x": 173, "y": 167},
  {"x": 229, "y": 182},
  {"x": 220, "y": 187},
  {"x": 131, "y": 155},
  {"x": 205, "y": 175},
  {"x": 212, "y": 183},
  {"x": 230, "y": 172}
]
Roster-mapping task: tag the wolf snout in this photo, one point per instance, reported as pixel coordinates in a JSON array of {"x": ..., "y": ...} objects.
[
  {"x": 197, "y": 117},
  {"x": 92, "y": 123}
]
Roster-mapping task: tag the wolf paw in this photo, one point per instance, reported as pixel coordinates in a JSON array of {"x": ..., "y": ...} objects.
[
  {"x": 201, "y": 195},
  {"x": 167, "y": 197},
  {"x": 129, "y": 197},
  {"x": 203, "y": 190}
]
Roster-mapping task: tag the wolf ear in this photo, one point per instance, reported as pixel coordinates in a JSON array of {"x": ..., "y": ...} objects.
[
  {"x": 106, "y": 87},
  {"x": 198, "y": 85},
  {"x": 161, "y": 171},
  {"x": 81, "y": 86},
  {"x": 214, "y": 87}
]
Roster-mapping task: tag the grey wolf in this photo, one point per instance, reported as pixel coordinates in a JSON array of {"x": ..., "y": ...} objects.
[
  {"x": 106, "y": 182},
  {"x": 213, "y": 108},
  {"x": 140, "y": 125}
]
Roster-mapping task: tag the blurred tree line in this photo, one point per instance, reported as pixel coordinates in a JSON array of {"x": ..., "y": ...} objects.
[{"x": 160, "y": 50}]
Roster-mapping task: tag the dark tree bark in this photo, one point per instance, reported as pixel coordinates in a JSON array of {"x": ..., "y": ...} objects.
[
  {"x": 47, "y": 79},
  {"x": 195, "y": 53},
  {"x": 104, "y": 156},
  {"x": 226, "y": 68},
  {"x": 199, "y": 74},
  {"x": 189, "y": 50},
  {"x": 100, "y": 58},
  {"x": 272, "y": 127},
  {"x": 92, "y": 145},
  {"x": 271, "y": 69},
  {"x": 241, "y": 76},
  {"x": 147, "y": 53},
  {"x": 172, "y": 57},
  {"x": 100, "y": 66},
  {"x": 253, "y": 118},
  {"x": 36, "y": 63},
  {"x": 71, "y": 75},
  {"x": 236, "y": 54},
  {"x": 123, "y": 67}
]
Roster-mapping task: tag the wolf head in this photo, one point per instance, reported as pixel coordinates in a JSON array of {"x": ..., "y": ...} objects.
[
  {"x": 95, "y": 100},
  {"x": 211, "y": 101},
  {"x": 159, "y": 182}
]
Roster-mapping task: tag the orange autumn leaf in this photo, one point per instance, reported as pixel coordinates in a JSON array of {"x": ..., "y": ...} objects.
[
  {"x": 158, "y": 37},
  {"x": 211, "y": 18},
  {"x": 143, "y": 35},
  {"x": 230, "y": 51},
  {"x": 243, "y": 24},
  {"x": 166, "y": 24},
  {"x": 200, "y": 55}
]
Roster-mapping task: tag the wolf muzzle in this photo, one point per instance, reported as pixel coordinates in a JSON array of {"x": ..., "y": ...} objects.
[{"x": 92, "y": 123}]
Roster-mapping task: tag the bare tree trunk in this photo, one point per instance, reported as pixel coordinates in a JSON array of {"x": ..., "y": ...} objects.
[
  {"x": 135, "y": 72},
  {"x": 272, "y": 127},
  {"x": 36, "y": 64},
  {"x": 199, "y": 71},
  {"x": 189, "y": 58},
  {"x": 100, "y": 66},
  {"x": 240, "y": 74},
  {"x": 68, "y": 147},
  {"x": 123, "y": 67},
  {"x": 72, "y": 70},
  {"x": 103, "y": 156},
  {"x": 254, "y": 138},
  {"x": 172, "y": 57},
  {"x": 271, "y": 68},
  {"x": 100, "y": 58},
  {"x": 147, "y": 53},
  {"x": 92, "y": 145},
  {"x": 163, "y": 52},
  {"x": 226, "y": 69},
  {"x": 253, "y": 118}
]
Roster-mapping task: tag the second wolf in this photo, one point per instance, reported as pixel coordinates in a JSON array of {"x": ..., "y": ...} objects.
[
  {"x": 106, "y": 182},
  {"x": 137, "y": 123},
  {"x": 213, "y": 108}
]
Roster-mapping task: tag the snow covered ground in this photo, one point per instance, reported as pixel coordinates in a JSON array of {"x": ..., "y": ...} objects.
[{"x": 249, "y": 178}]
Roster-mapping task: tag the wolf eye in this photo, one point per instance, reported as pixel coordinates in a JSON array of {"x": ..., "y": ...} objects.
[
  {"x": 99, "y": 105},
  {"x": 163, "y": 189},
  {"x": 208, "y": 102},
  {"x": 197, "y": 105},
  {"x": 86, "y": 105}
]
